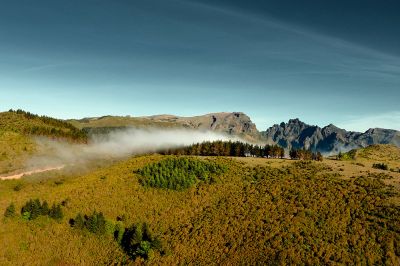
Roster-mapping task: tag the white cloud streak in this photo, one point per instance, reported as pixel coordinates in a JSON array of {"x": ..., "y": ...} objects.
[{"x": 389, "y": 120}]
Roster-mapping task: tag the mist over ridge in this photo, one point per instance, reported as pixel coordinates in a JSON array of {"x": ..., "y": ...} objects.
[{"x": 117, "y": 144}]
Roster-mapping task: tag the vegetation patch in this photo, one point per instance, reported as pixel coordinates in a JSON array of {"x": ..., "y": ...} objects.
[
  {"x": 380, "y": 166},
  {"x": 180, "y": 173},
  {"x": 229, "y": 148},
  {"x": 34, "y": 208},
  {"x": 136, "y": 241},
  {"x": 347, "y": 156}
]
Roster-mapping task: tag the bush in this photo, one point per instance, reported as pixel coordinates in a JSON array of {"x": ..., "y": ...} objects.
[
  {"x": 18, "y": 187},
  {"x": 10, "y": 211},
  {"x": 381, "y": 166}
]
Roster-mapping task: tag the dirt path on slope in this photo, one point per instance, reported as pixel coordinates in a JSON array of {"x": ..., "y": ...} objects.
[{"x": 31, "y": 172}]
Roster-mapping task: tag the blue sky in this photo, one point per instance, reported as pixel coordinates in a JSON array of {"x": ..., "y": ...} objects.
[{"x": 274, "y": 60}]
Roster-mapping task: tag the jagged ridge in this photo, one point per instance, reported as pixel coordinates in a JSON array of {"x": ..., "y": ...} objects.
[{"x": 329, "y": 139}]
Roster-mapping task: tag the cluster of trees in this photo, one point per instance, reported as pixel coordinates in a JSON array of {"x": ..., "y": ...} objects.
[
  {"x": 136, "y": 241},
  {"x": 34, "y": 208},
  {"x": 303, "y": 154},
  {"x": 56, "y": 127},
  {"x": 229, "y": 148},
  {"x": 95, "y": 223},
  {"x": 179, "y": 173}
]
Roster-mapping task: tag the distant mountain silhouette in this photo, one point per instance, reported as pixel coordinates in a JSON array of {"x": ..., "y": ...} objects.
[
  {"x": 329, "y": 139},
  {"x": 295, "y": 133}
]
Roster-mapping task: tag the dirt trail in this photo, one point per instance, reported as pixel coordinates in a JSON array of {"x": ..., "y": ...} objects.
[{"x": 40, "y": 170}]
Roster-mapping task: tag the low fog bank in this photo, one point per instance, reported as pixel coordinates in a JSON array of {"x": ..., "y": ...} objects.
[{"x": 118, "y": 144}]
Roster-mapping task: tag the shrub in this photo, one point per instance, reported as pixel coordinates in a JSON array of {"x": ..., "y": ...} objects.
[
  {"x": 381, "y": 166},
  {"x": 10, "y": 211},
  {"x": 18, "y": 187}
]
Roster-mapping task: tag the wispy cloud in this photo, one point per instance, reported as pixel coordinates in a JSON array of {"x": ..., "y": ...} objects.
[
  {"x": 44, "y": 67},
  {"x": 390, "y": 120}
]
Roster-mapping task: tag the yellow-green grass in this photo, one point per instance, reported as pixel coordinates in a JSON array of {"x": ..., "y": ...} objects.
[
  {"x": 237, "y": 220},
  {"x": 15, "y": 149}
]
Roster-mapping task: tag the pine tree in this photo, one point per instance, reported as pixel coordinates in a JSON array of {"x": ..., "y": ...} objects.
[{"x": 44, "y": 209}]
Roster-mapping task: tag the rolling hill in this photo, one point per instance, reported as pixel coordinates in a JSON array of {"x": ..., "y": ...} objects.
[
  {"x": 260, "y": 211},
  {"x": 173, "y": 210},
  {"x": 18, "y": 129}
]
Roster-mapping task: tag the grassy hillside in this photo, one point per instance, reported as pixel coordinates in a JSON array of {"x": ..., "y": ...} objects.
[
  {"x": 385, "y": 154},
  {"x": 18, "y": 130},
  {"x": 258, "y": 211},
  {"x": 30, "y": 124}
]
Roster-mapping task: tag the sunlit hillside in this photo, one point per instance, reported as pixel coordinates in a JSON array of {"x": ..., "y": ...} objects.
[{"x": 268, "y": 211}]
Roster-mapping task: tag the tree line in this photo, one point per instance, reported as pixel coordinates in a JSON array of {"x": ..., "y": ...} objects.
[
  {"x": 240, "y": 149},
  {"x": 35, "y": 208},
  {"x": 228, "y": 148},
  {"x": 303, "y": 154},
  {"x": 57, "y": 127}
]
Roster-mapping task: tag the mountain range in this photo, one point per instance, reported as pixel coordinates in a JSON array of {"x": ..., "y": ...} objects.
[{"x": 293, "y": 134}]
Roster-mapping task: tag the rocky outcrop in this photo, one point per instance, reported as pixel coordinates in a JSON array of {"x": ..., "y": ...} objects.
[{"x": 235, "y": 123}]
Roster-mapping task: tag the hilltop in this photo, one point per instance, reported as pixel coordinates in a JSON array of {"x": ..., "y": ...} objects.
[
  {"x": 236, "y": 123},
  {"x": 18, "y": 129}
]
